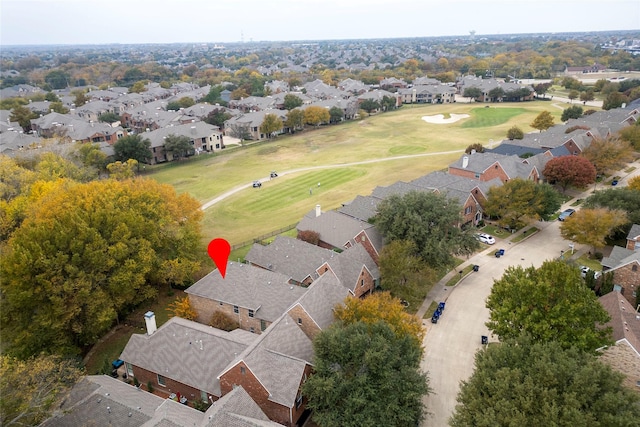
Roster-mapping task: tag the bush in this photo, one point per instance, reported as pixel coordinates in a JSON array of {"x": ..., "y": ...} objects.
[
  {"x": 598, "y": 256},
  {"x": 223, "y": 321},
  {"x": 515, "y": 133},
  {"x": 149, "y": 387},
  {"x": 309, "y": 236},
  {"x": 201, "y": 405}
]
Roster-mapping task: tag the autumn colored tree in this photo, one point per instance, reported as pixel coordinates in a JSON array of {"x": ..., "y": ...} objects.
[
  {"x": 315, "y": 116},
  {"x": 122, "y": 170},
  {"x": 634, "y": 183},
  {"x": 593, "y": 226},
  {"x": 608, "y": 153},
  {"x": 182, "y": 308},
  {"x": 515, "y": 132},
  {"x": 85, "y": 255},
  {"x": 623, "y": 198},
  {"x": 632, "y": 135},
  {"x": 549, "y": 303},
  {"x": 380, "y": 306},
  {"x": 569, "y": 170},
  {"x": 31, "y": 388},
  {"x": 295, "y": 119},
  {"x": 223, "y": 321},
  {"x": 543, "y": 121},
  {"x": 309, "y": 236},
  {"x": 271, "y": 125}
]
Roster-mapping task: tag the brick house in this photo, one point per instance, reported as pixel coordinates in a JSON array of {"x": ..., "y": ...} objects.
[
  {"x": 624, "y": 263},
  {"x": 253, "y": 296},
  {"x": 428, "y": 94},
  {"x": 489, "y": 166},
  {"x": 202, "y": 136},
  {"x": 355, "y": 269},
  {"x": 633, "y": 238},
  {"x": 624, "y": 355},
  {"x": 338, "y": 231}
]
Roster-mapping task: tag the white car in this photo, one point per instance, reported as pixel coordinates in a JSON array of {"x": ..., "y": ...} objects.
[
  {"x": 584, "y": 270},
  {"x": 486, "y": 238}
]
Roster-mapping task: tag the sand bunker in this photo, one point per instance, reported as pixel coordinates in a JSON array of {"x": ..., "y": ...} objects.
[{"x": 440, "y": 120}]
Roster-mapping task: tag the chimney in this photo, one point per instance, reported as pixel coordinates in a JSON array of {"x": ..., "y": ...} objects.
[
  {"x": 465, "y": 162},
  {"x": 318, "y": 211},
  {"x": 150, "y": 320}
]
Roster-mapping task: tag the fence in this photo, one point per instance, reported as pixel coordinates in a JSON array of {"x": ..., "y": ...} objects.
[{"x": 261, "y": 239}]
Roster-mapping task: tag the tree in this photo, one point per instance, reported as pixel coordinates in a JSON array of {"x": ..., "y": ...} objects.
[
  {"x": 23, "y": 116},
  {"x": 632, "y": 135},
  {"x": 31, "y": 388},
  {"x": 51, "y": 97},
  {"x": 543, "y": 121},
  {"x": 292, "y": 101},
  {"x": 587, "y": 96},
  {"x": 552, "y": 200},
  {"x": 178, "y": 145},
  {"x": 223, "y": 321},
  {"x": 404, "y": 273},
  {"x": 139, "y": 87},
  {"x": 217, "y": 117},
  {"x": 614, "y": 100},
  {"x": 186, "y": 102},
  {"x": 634, "y": 183},
  {"x": 133, "y": 147},
  {"x": 526, "y": 383},
  {"x": 430, "y": 221},
  {"x": 335, "y": 115},
  {"x": 573, "y": 112},
  {"x": 369, "y": 105},
  {"x": 87, "y": 254},
  {"x": 381, "y": 306},
  {"x": 573, "y": 94},
  {"x": 517, "y": 203},
  {"x": 608, "y": 153},
  {"x": 496, "y": 94},
  {"x": 295, "y": 119},
  {"x": 122, "y": 170},
  {"x": 80, "y": 98},
  {"x": 479, "y": 148},
  {"x": 315, "y": 116},
  {"x": 472, "y": 92},
  {"x": 550, "y": 303},
  {"x": 365, "y": 375},
  {"x": 388, "y": 103},
  {"x": 91, "y": 156},
  {"x": 214, "y": 95},
  {"x": 271, "y": 125},
  {"x": 309, "y": 236},
  {"x": 108, "y": 117},
  {"x": 57, "y": 79},
  {"x": 625, "y": 199},
  {"x": 515, "y": 132},
  {"x": 182, "y": 308},
  {"x": 541, "y": 89},
  {"x": 242, "y": 131},
  {"x": 592, "y": 226},
  {"x": 569, "y": 170}
]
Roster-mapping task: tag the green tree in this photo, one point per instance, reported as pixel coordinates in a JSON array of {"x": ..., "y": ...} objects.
[
  {"x": 550, "y": 303},
  {"x": 31, "y": 388},
  {"x": 214, "y": 95},
  {"x": 87, "y": 254},
  {"x": 335, "y": 115},
  {"x": 515, "y": 132},
  {"x": 91, "y": 156},
  {"x": 496, "y": 94},
  {"x": 58, "y": 107},
  {"x": 472, "y": 92},
  {"x": 608, "y": 153},
  {"x": 292, "y": 101},
  {"x": 479, "y": 148},
  {"x": 429, "y": 220},
  {"x": 543, "y": 121},
  {"x": 51, "y": 97},
  {"x": 271, "y": 125},
  {"x": 632, "y": 135},
  {"x": 593, "y": 226},
  {"x": 295, "y": 119},
  {"x": 569, "y": 170},
  {"x": 57, "y": 79},
  {"x": 587, "y": 96},
  {"x": 541, "y": 89},
  {"x": 139, "y": 86},
  {"x": 388, "y": 103},
  {"x": 80, "y": 98},
  {"x": 366, "y": 375},
  {"x": 369, "y": 105},
  {"x": 625, "y": 199},
  {"x": 517, "y": 203},
  {"x": 573, "y": 94},
  {"x": 614, "y": 100},
  {"x": 573, "y": 112},
  {"x": 525, "y": 383},
  {"x": 217, "y": 117},
  {"x": 404, "y": 273},
  {"x": 178, "y": 145},
  {"x": 23, "y": 116},
  {"x": 186, "y": 102},
  {"x": 108, "y": 117},
  {"x": 315, "y": 116},
  {"x": 133, "y": 147}
]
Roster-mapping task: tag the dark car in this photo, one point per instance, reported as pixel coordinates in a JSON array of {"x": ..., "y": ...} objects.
[
  {"x": 257, "y": 184},
  {"x": 566, "y": 214},
  {"x": 614, "y": 182},
  {"x": 273, "y": 174}
]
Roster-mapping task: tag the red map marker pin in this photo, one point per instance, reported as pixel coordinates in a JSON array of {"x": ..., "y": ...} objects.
[{"x": 219, "y": 250}]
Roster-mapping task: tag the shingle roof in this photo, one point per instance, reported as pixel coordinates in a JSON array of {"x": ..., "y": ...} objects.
[
  {"x": 634, "y": 233},
  {"x": 625, "y": 321},
  {"x": 193, "y": 131},
  {"x": 187, "y": 352},
  {"x": 236, "y": 409},
  {"x": 619, "y": 256},
  {"x": 348, "y": 266},
  {"x": 294, "y": 258},
  {"x": 362, "y": 207},
  {"x": 266, "y": 292},
  {"x": 480, "y": 162},
  {"x": 323, "y": 295}
]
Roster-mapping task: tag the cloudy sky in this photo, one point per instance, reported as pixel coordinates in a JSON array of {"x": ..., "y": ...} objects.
[{"x": 219, "y": 21}]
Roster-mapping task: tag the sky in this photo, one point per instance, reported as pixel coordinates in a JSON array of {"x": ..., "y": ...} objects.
[{"x": 70, "y": 22}]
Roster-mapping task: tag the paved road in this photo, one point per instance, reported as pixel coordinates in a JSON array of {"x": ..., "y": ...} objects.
[{"x": 450, "y": 345}]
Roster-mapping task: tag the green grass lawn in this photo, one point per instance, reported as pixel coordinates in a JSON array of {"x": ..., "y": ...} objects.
[{"x": 284, "y": 200}]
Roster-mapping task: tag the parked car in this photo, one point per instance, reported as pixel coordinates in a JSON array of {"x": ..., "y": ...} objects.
[
  {"x": 485, "y": 238},
  {"x": 566, "y": 214},
  {"x": 614, "y": 182},
  {"x": 257, "y": 184},
  {"x": 584, "y": 270}
]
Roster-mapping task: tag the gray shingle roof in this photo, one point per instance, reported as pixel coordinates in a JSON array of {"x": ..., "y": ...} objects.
[
  {"x": 236, "y": 409},
  {"x": 634, "y": 233},
  {"x": 348, "y": 266},
  {"x": 294, "y": 258},
  {"x": 480, "y": 162},
  {"x": 624, "y": 320},
  {"x": 362, "y": 207},
  {"x": 323, "y": 294},
  {"x": 619, "y": 256},
  {"x": 266, "y": 292},
  {"x": 187, "y": 352}
]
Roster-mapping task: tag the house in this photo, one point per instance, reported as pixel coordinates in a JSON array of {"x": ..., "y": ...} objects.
[
  {"x": 625, "y": 265},
  {"x": 104, "y": 401},
  {"x": 247, "y": 126},
  {"x": 253, "y": 296},
  {"x": 362, "y": 208},
  {"x": 338, "y": 231},
  {"x": 588, "y": 69},
  {"x": 624, "y": 355},
  {"x": 73, "y": 129},
  {"x": 428, "y": 94},
  {"x": 633, "y": 238},
  {"x": 202, "y": 136},
  {"x": 488, "y": 166},
  {"x": 355, "y": 269},
  {"x": 489, "y": 87},
  {"x": 14, "y": 141},
  {"x": 295, "y": 258},
  {"x": 392, "y": 83}
]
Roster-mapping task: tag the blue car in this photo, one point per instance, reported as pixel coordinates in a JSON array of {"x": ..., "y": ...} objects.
[{"x": 566, "y": 214}]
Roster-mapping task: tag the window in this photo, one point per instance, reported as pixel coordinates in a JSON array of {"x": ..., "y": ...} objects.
[
  {"x": 243, "y": 370},
  {"x": 162, "y": 381},
  {"x": 468, "y": 210},
  {"x": 299, "y": 400},
  {"x": 129, "y": 369},
  {"x": 235, "y": 309},
  {"x": 634, "y": 268},
  {"x": 299, "y": 321},
  {"x": 477, "y": 175},
  {"x": 221, "y": 303},
  {"x": 250, "y": 313},
  {"x": 263, "y": 325},
  {"x": 252, "y": 330},
  {"x": 204, "y": 396},
  {"x": 362, "y": 282}
]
